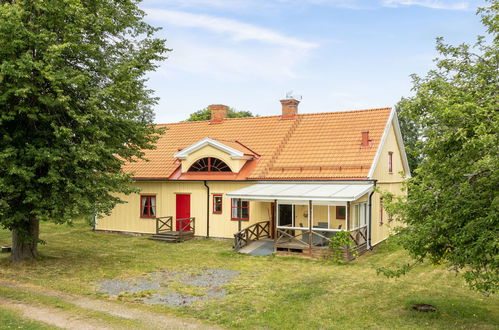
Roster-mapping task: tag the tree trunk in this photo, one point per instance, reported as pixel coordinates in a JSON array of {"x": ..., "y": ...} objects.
[{"x": 25, "y": 240}]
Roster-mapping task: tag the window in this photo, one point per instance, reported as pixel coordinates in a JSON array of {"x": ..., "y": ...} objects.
[
  {"x": 209, "y": 164},
  {"x": 217, "y": 203},
  {"x": 381, "y": 211},
  {"x": 390, "y": 162},
  {"x": 340, "y": 212},
  {"x": 239, "y": 209},
  {"x": 148, "y": 206},
  {"x": 359, "y": 215}
]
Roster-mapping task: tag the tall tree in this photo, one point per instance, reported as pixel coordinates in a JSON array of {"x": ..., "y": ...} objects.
[
  {"x": 205, "y": 114},
  {"x": 410, "y": 133},
  {"x": 452, "y": 212},
  {"x": 74, "y": 107}
]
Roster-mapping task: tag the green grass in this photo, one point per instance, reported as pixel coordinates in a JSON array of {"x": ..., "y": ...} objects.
[
  {"x": 12, "y": 320},
  {"x": 271, "y": 292},
  {"x": 34, "y": 298}
]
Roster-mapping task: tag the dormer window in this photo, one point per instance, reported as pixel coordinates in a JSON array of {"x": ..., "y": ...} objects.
[{"x": 209, "y": 164}]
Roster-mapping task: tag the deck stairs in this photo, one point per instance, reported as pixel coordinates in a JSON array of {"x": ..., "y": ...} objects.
[
  {"x": 173, "y": 236},
  {"x": 165, "y": 232}
]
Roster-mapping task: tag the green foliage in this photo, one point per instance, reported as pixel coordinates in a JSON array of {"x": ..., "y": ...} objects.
[
  {"x": 410, "y": 133},
  {"x": 74, "y": 105},
  {"x": 205, "y": 114},
  {"x": 452, "y": 213},
  {"x": 341, "y": 240}
]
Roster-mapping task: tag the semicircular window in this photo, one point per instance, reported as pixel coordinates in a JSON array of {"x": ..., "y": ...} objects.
[{"x": 209, "y": 164}]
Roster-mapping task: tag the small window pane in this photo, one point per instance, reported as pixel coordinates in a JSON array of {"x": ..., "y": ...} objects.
[
  {"x": 217, "y": 204},
  {"x": 244, "y": 213},
  {"x": 340, "y": 212},
  {"x": 362, "y": 214}
]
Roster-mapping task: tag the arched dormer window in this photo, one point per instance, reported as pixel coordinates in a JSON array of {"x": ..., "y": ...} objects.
[{"x": 209, "y": 164}]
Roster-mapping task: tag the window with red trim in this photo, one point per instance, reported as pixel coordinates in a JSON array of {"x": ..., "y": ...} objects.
[
  {"x": 147, "y": 206},
  {"x": 390, "y": 162},
  {"x": 340, "y": 212},
  {"x": 217, "y": 203},
  {"x": 239, "y": 209}
]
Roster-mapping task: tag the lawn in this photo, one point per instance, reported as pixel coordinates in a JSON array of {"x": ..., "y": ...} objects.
[{"x": 270, "y": 292}]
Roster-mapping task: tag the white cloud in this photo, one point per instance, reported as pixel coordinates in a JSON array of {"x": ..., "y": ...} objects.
[
  {"x": 433, "y": 4},
  {"x": 238, "y": 31},
  {"x": 224, "y": 62}
]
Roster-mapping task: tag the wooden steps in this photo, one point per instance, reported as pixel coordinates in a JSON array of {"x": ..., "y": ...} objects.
[{"x": 173, "y": 236}]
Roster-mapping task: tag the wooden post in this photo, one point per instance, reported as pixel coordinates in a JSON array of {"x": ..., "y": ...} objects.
[
  {"x": 276, "y": 219},
  {"x": 310, "y": 223},
  {"x": 347, "y": 216},
  {"x": 239, "y": 213},
  {"x": 328, "y": 217}
]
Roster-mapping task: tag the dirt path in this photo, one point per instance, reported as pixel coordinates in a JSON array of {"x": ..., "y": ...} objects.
[
  {"x": 150, "y": 320},
  {"x": 51, "y": 316}
]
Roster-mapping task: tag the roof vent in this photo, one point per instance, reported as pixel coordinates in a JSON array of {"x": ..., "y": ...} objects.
[{"x": 218, "y": 112}]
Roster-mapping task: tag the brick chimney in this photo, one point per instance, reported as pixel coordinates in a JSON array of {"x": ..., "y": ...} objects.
[
  {"x": 365, "y": 142},
  {"x": 218, "y": 112},
  {"x": 289, "y": 108}
]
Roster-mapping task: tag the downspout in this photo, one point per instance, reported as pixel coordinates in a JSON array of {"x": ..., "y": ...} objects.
[
  {"x": 207, "y": 209},
  {"x": 370, "y": 218}
]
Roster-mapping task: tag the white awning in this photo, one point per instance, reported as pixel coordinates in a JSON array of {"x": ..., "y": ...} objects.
[{"x": 327, "y": 192}]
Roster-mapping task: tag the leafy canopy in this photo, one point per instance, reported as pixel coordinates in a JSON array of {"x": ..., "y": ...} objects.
[
  {"x": 74, "y": 105},
  {"x": 205, "y": 114},
  {"x": 451, "y": 212}
]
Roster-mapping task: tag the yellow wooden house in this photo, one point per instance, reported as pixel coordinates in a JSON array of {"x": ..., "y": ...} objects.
[{"x": 295, "y": 179}]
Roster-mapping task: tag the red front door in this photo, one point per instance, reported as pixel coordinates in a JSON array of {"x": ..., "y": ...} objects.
[{"x": 183, "y": 212}]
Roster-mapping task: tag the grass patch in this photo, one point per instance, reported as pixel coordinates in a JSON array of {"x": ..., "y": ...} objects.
[
  {"x": 13, "y": 320},
  {"x": 270, "y": 292},
  {"x": 45, "y": 301}
]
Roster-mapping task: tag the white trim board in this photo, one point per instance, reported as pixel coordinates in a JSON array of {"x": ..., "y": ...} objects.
[
  {"x": 233, "y": 153},
  {"x": 392, "y": 120}
]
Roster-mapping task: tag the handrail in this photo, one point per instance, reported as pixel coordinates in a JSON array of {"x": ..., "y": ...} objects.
[
  {"x": 256, "y": 231},
  {"x": 161, "y": 224},
  {"x": 290, "y": 235},
  {"x": 362, "y": 232},
  {"x": 185, "y": 223},
  {"x": 164, "y": 224}
]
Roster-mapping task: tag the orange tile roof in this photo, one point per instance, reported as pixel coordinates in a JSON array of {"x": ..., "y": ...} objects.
[{"x": 311, "y": 146}]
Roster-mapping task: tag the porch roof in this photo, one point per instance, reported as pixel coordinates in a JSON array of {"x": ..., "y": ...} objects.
[{"x": 328, "y": 192}]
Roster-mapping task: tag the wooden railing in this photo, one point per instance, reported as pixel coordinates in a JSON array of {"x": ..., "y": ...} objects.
[
  {"x": 359, "y": 236},
  {"x": 316, "y": 238},
  {"x": 164, "y": 224},
  {"x": 186, "y": 224},
  {"x": 254, "y": 232},
  {"x": 291, "y": 236}
]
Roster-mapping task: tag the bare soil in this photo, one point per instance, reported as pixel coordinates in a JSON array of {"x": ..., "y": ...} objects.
[{"x": 61, "y": 319}]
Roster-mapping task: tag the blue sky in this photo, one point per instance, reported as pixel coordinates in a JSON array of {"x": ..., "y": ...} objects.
[{"x": 336, "y": 54}]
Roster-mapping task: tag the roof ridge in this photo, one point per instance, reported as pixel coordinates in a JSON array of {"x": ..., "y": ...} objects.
[{"x": 277, "y": 116}]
